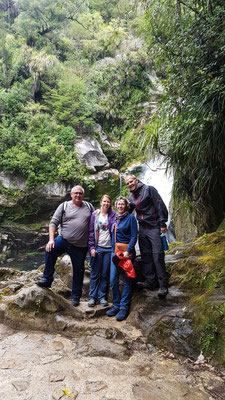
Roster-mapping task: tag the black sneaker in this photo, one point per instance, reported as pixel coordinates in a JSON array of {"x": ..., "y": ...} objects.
[
  {"x": 75, "y": 302},
  {"x": 91, "y": 302},
  {"x": 43, "y": 283},
  {"x": 163, "y": 291}
]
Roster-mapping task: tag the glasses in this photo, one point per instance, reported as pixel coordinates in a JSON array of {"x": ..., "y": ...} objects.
[{"x": 78, "y": 193}]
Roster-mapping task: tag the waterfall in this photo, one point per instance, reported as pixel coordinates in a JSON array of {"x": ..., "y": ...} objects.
[
  {"x": 153, "y": 173},
  {"x": 121, "y": 182}
]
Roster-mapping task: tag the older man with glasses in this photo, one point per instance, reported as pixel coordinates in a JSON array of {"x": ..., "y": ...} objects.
[{"x": 73, "y": 217}]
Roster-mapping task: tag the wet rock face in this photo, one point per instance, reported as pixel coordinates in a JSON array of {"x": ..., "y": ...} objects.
[
  {"x": 15, "y": 239},
  {"x": 7, "y": 245},
  {"x": 9, "y": 181},
  {"x": 165, "y": 323}
]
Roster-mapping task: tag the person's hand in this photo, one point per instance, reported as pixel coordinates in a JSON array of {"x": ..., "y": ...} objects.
[
  {"x": 93, "y": 253},
  {"x": 163, "y": 230},
  {"x": 126, "y": 254},
  {"x": 50, "y": 245}
]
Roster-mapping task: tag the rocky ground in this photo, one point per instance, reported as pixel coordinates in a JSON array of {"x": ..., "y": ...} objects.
[
  {"x": 40, "y": 366},
  {"x": 51, "y": 350}
]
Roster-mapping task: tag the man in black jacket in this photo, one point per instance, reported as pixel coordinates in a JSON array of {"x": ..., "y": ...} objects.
[{"x": 152, "y": 215}]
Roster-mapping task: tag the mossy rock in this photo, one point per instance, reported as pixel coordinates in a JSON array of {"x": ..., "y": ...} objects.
[
  {"x": 203, "y": 262},
  {"x": 201, "y": 269}
]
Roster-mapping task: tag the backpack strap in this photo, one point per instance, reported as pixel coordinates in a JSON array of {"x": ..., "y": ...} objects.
[
  {"x": 63, "y": 210},
  {"x": 89, "y": 205}
]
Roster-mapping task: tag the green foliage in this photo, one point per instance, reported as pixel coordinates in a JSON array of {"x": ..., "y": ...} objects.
[
  {"x": 116, "y": 156},
  {"x": 43, "y": 153},
  {"x": 12, "y": 100},
  {"x": 37, "y": 21},
  {"x": 130, "y": 147},
  {"x": 63, "y": 66},
  {"x": 187, "y": 42},
  {"x": 124, "y": 88},
  {"x": 69, "y": 102}
]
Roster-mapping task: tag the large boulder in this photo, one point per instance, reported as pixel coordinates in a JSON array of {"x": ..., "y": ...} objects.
[{"x": 89, "y": 152}]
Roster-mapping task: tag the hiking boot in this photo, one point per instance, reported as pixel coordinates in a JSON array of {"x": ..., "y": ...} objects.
[
  {"x": 121, "y": 315},
  {"x": 112, "y": 312},
  {"x": 91, "y": 302},
  {"x": 43, "y": 283},
  {"x": 75, "y": 302},
  {"x": 162, "y": 292},
  {"x": 103, "y": 302}
]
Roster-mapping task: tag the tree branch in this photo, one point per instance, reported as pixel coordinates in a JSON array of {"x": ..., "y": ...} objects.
[
  {"x": 194, "y": 10},
  {"x": 80, "y": 23}
]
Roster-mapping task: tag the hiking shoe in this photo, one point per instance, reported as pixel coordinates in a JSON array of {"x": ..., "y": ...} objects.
[
  {"x": 75, "y": 302},
  {"x": 103, "y": 302},
  {"x": 43, "y": 283},
  {"x": 91, "y": 302},
  {"x": 112, "y": 312},
  {"x": 162, "y": 292},
  {"x": 121, "y": 315}
]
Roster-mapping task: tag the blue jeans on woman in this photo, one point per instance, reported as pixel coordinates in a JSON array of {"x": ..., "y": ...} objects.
[
  {"x": 120, "y": 302},
  {"x": 100, "y": 273},
  {"x": 77, "y": 255}
]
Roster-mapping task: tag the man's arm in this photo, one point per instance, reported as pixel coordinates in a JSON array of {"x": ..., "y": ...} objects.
[
  {"x": 91, "y": 237},
  {"x": 55, "y": 221},
  {"x": 51, "y": 243},
  {"x": 131, "y": 206},
  {"x": 160, "y": 208}
]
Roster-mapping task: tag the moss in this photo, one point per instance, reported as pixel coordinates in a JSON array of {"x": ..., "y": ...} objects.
[
  {"x": 221, "y": 227},
  {"x": 202, "y": 271},
  {"x": 3, "y": 257},
  {"x": 6, "y": 291},
  {"x": 6, "y": 273},
  {"x": 110, "y": 187},
  {"x": 209, "y": 325},
  {"x": 203, "y": 262}
]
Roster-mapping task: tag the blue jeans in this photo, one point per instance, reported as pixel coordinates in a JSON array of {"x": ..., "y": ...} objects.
[
  {"x": 100, "y": 273},
  {"x": 120, "y": 302},
  {"x": 77, "y": 255}
]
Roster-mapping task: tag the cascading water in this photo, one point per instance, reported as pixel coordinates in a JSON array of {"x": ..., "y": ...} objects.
[{"x": 153, "y": 173}]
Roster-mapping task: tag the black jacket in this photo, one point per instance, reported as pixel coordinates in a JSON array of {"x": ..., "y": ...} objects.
[{"x": 150, "y": 208}]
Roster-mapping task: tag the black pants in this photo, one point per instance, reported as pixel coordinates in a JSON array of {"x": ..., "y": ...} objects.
[{"x": 152, "y": 255}]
